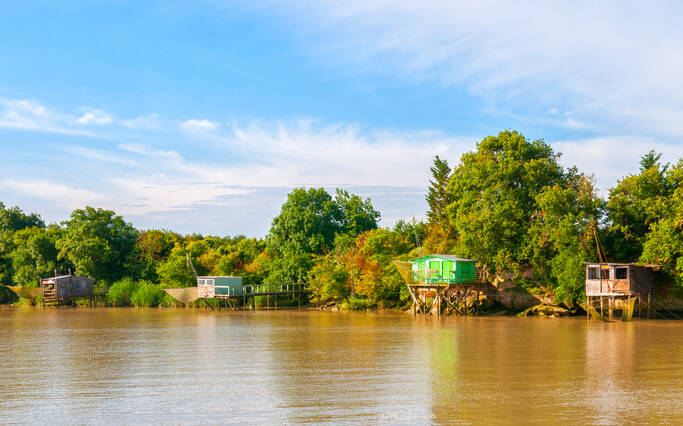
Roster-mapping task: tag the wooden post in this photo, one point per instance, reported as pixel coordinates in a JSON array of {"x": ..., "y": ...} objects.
[
  {"x": 602, "y": 309},
  {"x": 588, "y": 304},
  {"x": 649, "y": 296},
  {"x": 438, "y": 301}
]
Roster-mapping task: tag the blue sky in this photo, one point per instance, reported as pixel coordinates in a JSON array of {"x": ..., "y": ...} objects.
[{"x": 200, "y": 116}]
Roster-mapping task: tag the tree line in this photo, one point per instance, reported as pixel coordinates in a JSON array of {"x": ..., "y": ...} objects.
[{"x": 508, "y": 204}]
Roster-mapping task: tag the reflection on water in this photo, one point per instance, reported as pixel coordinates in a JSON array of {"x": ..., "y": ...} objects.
[{"x": 190, "y": 366}]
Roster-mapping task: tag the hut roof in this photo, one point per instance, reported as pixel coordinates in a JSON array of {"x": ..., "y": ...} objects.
[{"x": 443, "y": 256}]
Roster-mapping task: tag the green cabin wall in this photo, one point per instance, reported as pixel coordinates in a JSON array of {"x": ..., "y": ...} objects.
[
  {"x": 226, "y": 285},
  {"x": 449, "y": 271}
]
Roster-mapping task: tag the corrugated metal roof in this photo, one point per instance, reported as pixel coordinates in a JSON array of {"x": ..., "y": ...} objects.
[{"x": 444, "y": 256}]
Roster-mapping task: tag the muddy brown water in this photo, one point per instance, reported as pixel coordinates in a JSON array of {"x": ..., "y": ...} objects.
[{"x": 191, "y": 366}]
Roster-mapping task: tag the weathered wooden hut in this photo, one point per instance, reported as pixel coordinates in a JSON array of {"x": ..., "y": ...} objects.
[
  {"x": 443, "y": 269},
  {"x": 209, "y": 287},
  {"x": 613, "y": 281},
  {"x": 65, "y": 287},
  {"x": 617, "y": 279}
]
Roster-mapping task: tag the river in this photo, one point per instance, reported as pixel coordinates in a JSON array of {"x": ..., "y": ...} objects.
[{"x": 192, "y": 366}]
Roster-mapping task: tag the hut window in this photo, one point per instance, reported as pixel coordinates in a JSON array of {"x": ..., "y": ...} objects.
[
  {"x": 621, "y": 273},
  {"x": 593, "y": 273},
  {"x": 209, "y": 282},
  {"x": 201, "y": 282},
  {"x": 605, "y": 273}
]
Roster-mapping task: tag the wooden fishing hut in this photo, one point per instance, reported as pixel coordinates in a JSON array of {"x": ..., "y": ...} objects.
[
  {"x": 209, "y": 287},
  {"x": 57, "y": 289},
  {"x": 442, "y": 282},
  {"x": 626, "y": 282},
  {"x": 230, "y": 289}
]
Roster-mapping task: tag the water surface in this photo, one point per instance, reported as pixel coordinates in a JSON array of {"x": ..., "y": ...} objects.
[{"x": 191, "y": 366}]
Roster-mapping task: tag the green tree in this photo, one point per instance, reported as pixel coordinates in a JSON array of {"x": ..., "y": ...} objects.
[
  {"x": 34, "y": 255},
  {"x": 152, "y": 247},
  {"x": 663, "y": 245},
  {"x": 438, "y": 197},
  {"x": 305, "y": 227},
  {"x": 562, "y": 234},
  {"x": 358, "y": 215},
  {"x": 635, "y": 204},
  {"x": 98, "y": 243},
  {"x": 494, "y": 192},
  {"x": 12, "y": 220},
  {"x": 175, "y": 271}
]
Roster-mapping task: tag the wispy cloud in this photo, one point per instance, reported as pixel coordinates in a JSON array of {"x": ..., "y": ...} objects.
[
  {"x": 148, "y": 122},
  {"x": 610, "y": 159},
  {"x": 203, "y": 125},
  {"x": 68, "y": 196},
  {"x": 615, "y": 65},
  {"x": 94, "y": 117}
]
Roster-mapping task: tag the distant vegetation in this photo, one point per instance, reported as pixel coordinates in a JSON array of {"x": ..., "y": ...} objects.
[{"x": 509, "y": 205}]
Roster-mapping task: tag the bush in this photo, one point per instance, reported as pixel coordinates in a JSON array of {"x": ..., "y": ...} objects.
[
  {"x": 121, "y": 292},
  {"x": 148, "y": 295},
  {"x": 356, "y": 304}
]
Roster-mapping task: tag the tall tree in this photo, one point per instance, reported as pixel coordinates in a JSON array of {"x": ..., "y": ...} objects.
[
  {"x": 306, "y": 226},
  {"x": 663, "y": 245},
  {"x": 98, "y": 243},
  {"x": 494, "y": 192},
  {"x": 34, "y": 255},
  {"x": 635, "y": 204},
  {"x": 12, "y": 219},
  {"x": 438, "y": 197},
  {"x": 358, "y": 215}
]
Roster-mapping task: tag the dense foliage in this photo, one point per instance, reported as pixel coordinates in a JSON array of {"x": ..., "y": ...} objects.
[{"x": 509, "y": 205}]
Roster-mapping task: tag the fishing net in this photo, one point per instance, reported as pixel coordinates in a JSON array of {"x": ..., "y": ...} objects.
[
  {"x": 26, "y": 292},
  {"x": 183, "y": 295},
  {"x": 593, "y": 311},
  {"x": 405, "y": 269},
  {"x": 627, "y": 309}
]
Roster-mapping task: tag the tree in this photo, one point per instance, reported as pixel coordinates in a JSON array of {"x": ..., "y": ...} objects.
[
  {"x": 34, "y": 255},
  {"x": 12, "y": 220},
  {"x": 635, "y": 204},
  {"x": 306, "y": 227},
  {"x": 493, "y": 192},
  {"x": 175, "y": 271},
  {"x": 663, "y": 245},
  {"x": 438, "y": 197},
  {"x": 562, "y": 234},
  {"x": 358, "y": 215},
  {"x": 152, "y": 247},
  {"x": 98, "y": 243}
]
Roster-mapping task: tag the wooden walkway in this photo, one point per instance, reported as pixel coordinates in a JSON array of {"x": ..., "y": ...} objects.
[{"x": 249, "y": 292}]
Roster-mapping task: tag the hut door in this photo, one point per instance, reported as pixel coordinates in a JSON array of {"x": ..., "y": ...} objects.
[
  {"x": 434, "y": 269},
  {"x": 448, "y": 270}
]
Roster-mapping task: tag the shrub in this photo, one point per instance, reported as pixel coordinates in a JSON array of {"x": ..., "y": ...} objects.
[
  {"x": 121, "y": 292},
  {"x": 147, "y": 295}
]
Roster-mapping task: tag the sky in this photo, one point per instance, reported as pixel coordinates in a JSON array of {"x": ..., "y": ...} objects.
[{"x": 200, "y": 116}]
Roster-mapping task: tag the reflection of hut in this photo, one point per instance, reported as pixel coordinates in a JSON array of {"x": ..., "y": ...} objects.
[
  {"x": 209, "y": 287},
  {"x": 66, "y": 287},
  {"x": 618, "y": 280}
]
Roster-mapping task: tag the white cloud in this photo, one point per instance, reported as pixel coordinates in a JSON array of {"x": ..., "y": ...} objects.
[
  {"x": 610, "y": 159},
  {"x": 616, "y": 64},
  {"x": 94, "y": 117},
  {"x": 61, "y": 194},
  {"x": 149, "y": 122},
  {"x": 197, "y": 126}
]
